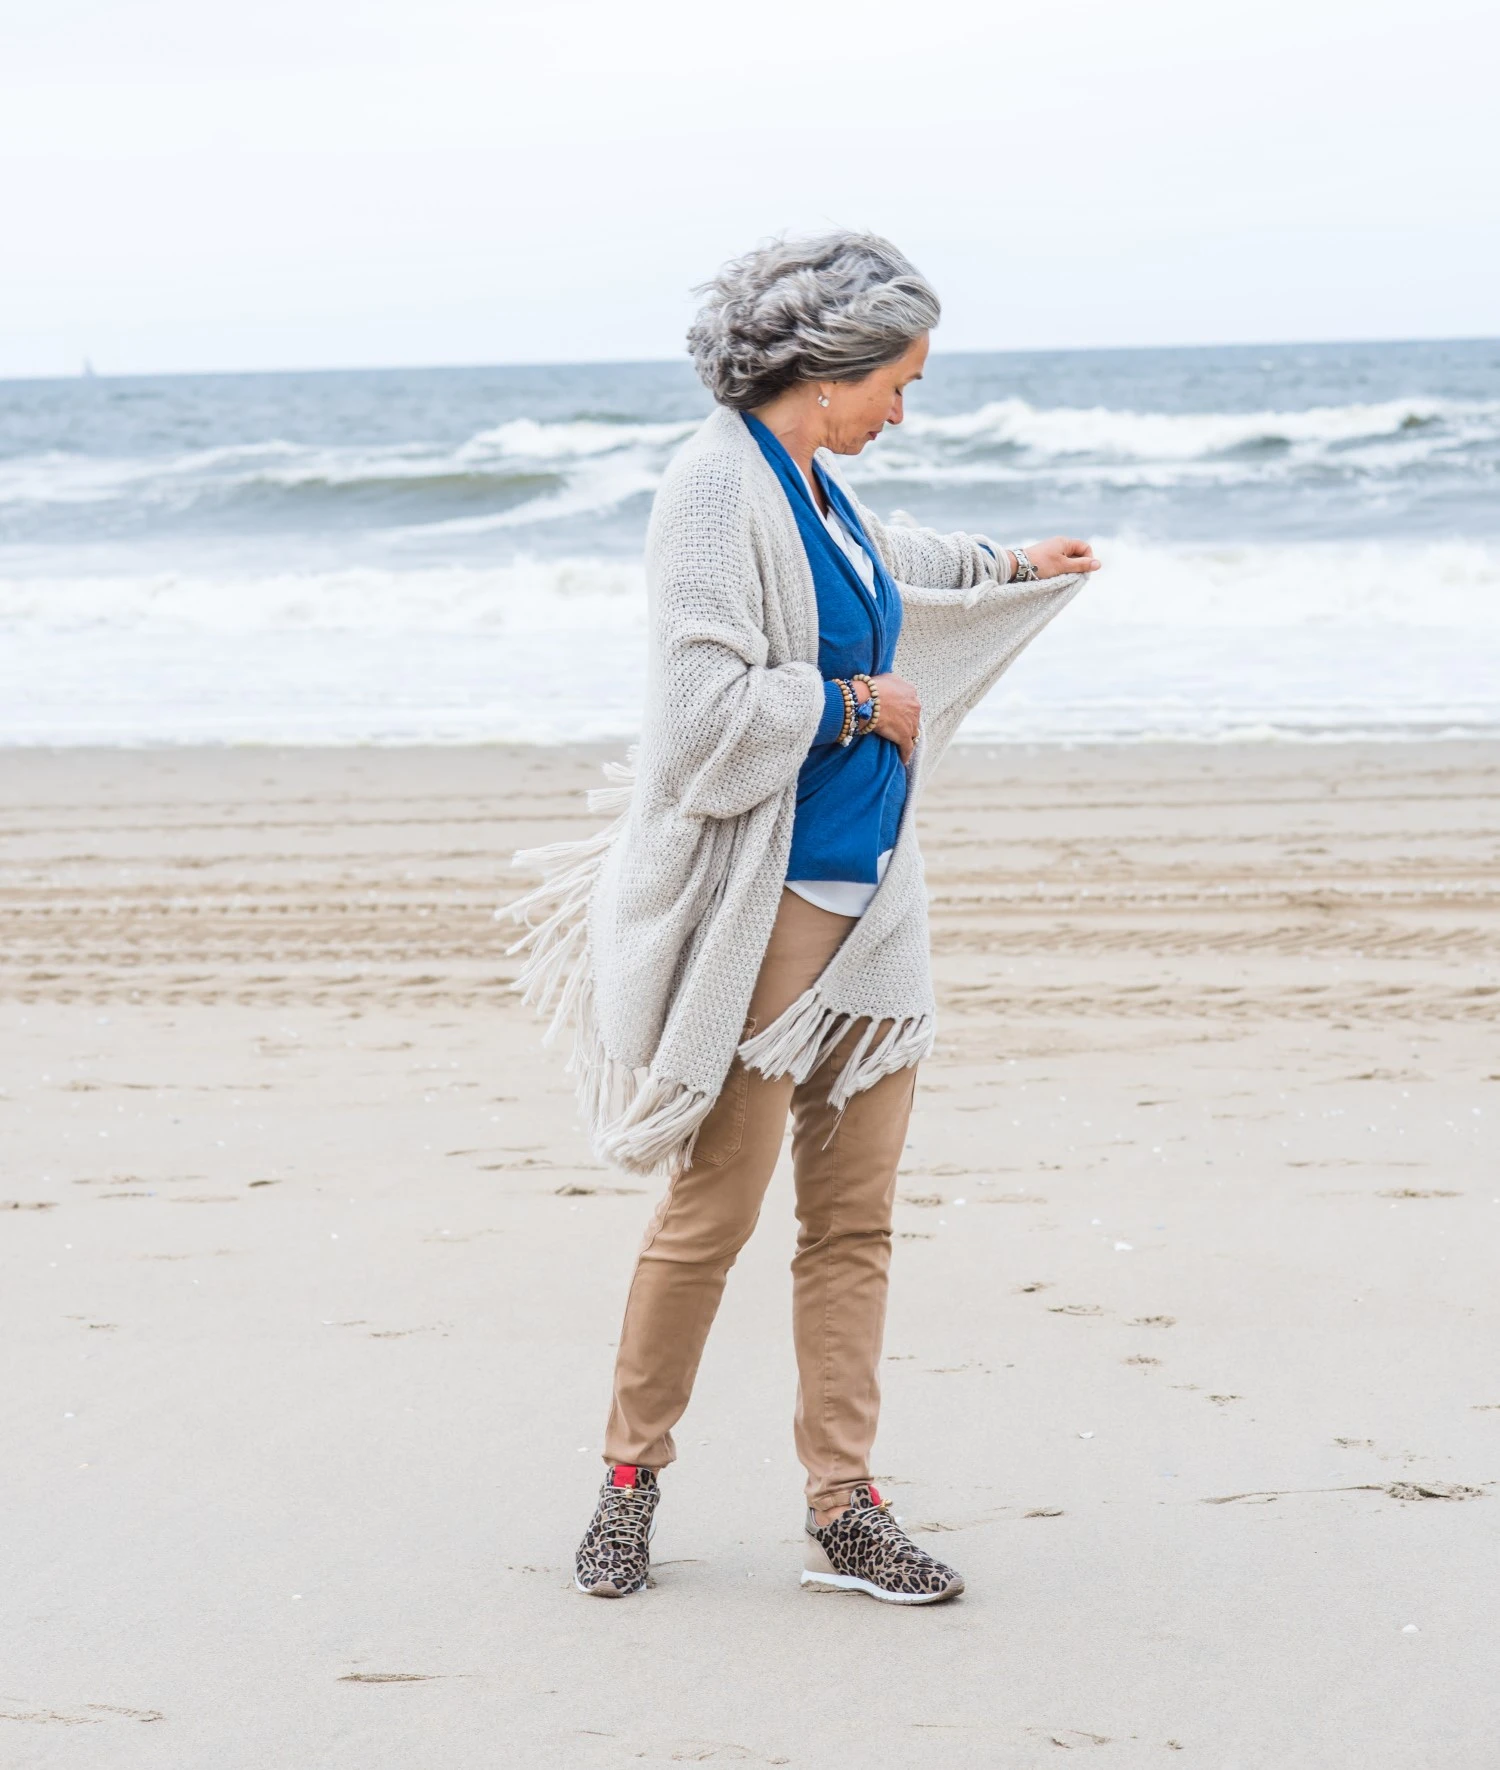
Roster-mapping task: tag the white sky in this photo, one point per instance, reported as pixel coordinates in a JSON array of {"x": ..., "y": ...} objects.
[{"x": 309, "y": 183}]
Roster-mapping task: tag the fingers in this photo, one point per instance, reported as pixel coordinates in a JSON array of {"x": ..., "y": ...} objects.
[
  {"x": 903, "y": 734},
  {"x": 1074, "y": 556}
]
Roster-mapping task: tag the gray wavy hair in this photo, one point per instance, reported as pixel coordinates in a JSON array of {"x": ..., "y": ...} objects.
[{"x": 824, "y": 309}]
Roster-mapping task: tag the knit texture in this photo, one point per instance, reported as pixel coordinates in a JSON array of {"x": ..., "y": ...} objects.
[{"x": 644, "y": 940}]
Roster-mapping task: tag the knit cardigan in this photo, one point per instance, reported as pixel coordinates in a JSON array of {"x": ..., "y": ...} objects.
[{"x": 645, "y": 939}]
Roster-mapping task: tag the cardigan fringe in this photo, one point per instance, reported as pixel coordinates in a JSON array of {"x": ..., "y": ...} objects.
[
  {"x": 800, "y": 1039},
  {"x": 640, "y": 1122},
  {"x": 643, "y": 1123}
]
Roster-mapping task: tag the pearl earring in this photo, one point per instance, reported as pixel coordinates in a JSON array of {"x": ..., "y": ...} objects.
[{"x": 822, "y": 399}]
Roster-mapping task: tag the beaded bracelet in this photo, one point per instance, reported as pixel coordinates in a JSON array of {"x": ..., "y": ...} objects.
[
  {"x": 872, "y": 699},
  {"x": 846, "y": 731}
]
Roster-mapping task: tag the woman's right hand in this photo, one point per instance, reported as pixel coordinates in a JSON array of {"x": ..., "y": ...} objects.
[{"x": 900, "y": 713}]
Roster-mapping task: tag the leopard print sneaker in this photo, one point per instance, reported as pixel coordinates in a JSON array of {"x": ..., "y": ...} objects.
[
  {"x": 866, "y": 1550},
  {"x": 614, "y": 1558}
]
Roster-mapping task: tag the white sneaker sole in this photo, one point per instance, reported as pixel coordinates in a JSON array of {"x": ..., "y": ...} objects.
[
  {"x": 846, "y": 1582},
  {"x": 599, "y": 1591}
]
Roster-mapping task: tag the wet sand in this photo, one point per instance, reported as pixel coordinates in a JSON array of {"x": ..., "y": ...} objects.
[{"x": 310, "y": 1285}]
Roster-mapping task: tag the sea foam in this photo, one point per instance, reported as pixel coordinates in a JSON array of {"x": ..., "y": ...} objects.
[
  {"x": 1189, "y": 642},
  {"x": 1186, "y": 436}
]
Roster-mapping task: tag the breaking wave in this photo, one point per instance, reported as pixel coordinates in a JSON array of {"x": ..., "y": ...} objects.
[
  {"x": 1063, "y": 431},
  {"x": 526, "y": 470}
]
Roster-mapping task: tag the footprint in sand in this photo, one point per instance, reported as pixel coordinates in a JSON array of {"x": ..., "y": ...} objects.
[
  {"x": 1396, "y": 1490},
  {"x": 389, "y": 1677}
]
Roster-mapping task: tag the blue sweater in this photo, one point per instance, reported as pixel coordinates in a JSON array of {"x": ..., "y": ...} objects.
[{"x": 849, "y": 799}]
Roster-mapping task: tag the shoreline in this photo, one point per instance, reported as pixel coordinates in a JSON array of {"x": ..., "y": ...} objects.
[{"x": 1269, "y": 739}]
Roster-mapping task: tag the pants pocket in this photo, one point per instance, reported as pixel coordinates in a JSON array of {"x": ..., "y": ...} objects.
[{"x": 722, "y": 1133}]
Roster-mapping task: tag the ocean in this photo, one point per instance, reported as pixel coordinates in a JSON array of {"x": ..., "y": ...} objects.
[{"x": 1301, "y": 542}]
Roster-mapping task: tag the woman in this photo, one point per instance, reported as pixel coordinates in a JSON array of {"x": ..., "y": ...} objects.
[{"x": 748, "y": 941}]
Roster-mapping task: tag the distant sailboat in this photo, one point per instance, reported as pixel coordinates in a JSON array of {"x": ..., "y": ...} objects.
[{"x": 89, "y": 371}]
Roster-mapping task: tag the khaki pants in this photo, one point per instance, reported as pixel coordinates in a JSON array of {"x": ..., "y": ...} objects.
[{"x": 845, "y": 1168}]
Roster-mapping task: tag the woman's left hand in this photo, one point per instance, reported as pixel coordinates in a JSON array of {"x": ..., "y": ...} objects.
[{"x": 1060, "y": 555}]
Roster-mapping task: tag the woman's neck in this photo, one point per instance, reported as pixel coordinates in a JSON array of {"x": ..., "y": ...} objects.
[{"x": 792, "y": 419}]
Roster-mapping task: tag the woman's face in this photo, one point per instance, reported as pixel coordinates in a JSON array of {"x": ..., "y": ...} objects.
[{"x": 859, "y": 410}]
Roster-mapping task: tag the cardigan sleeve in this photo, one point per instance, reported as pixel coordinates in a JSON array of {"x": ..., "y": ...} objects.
[
  {"x": 732, "y": 728},
  {"x": 832, "y": 722}
]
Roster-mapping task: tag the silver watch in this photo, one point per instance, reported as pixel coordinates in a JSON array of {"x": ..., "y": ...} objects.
[{"x": 1026, "y": 572}]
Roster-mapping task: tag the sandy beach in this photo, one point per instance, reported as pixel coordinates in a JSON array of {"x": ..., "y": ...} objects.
[{"x": 310, "y": 1285}]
